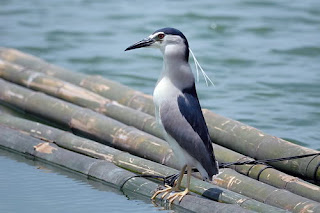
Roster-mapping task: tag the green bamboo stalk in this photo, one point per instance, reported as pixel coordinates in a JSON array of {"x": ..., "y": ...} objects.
[
  {"x": 145, "y": 122},
  {"x": 30, "y": 99},
  {"x": 100, "y": 169},
  {"x": 79, "y": 96},
  {"x": 245, "y": 141},
  {"x": 127, "y": 161}
]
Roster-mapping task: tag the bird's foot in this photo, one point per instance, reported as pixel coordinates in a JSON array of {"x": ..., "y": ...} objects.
[
  {"x": 174, "y": 196},
  {"x": 167, "y": 190}
]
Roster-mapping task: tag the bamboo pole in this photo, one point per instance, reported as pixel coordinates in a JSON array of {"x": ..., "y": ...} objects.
[
  {"x": 269, "y": 175},
  {"x": 30, "y": 101},
  {"x": 79, "y": 96},
  {"x": 28, "y": 160},
  {"x": 85, "y": 121},
  {"x": 221, "y": 129},
  {"x": 83, "y": 97},
  {"x": 107, "y": 88},
  {"x": 127, "y": 161},
  {"x": 100, "y": 169},
  {"x": 8, "y": 110},
  {"x": 253, "y": 142},
  {"x": 284, "y": 181}
]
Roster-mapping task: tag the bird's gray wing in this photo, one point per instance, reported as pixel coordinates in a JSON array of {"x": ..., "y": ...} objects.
[{"x": 187, "y": 126}]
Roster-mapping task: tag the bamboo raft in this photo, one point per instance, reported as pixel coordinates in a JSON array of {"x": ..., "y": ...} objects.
[{"x": 106, "y": 130}]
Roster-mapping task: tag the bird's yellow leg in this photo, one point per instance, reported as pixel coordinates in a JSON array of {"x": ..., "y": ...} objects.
[
  {"x": 174, "y": 196},
  {"x": 169, "y": 189},
  {"x": 178, "y": 183}
]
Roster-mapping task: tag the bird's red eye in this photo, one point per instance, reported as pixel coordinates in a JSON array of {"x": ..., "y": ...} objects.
[{"x": 161, "y": 36}]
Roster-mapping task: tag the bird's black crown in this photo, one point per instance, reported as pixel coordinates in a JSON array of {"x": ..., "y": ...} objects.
[{"x": 173, "y": 31}]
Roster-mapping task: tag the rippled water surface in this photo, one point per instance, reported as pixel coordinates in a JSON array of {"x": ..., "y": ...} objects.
[
  {"x": 264, "y": 56},
  {"x": 32, "y": 186}
]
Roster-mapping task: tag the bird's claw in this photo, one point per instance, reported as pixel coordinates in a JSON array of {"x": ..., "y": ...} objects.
[
  {"x": 166, "y": 191},
  {"x": 171, "y": 197},
  {"x": 174, "y": 196}
]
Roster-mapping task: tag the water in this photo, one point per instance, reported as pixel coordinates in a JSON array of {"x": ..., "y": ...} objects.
[
  {"x": 33, "y": 186},
  {"x": 264, "y": 56}
]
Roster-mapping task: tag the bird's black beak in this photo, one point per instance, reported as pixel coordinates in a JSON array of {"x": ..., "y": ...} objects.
[{"x": 143, "y": 43}]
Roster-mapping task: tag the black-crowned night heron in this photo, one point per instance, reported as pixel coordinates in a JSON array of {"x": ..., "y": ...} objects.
[{"x": 178, "y": 109}]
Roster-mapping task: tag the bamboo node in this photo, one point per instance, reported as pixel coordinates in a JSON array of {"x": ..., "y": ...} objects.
[
  {"x": 12, "y": 94},
  {"x": 96, "y": 87},
  {"x": 32, "y": 77}
]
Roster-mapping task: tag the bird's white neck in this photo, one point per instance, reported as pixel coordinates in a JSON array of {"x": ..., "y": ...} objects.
[{"x": 176, "y": 67}]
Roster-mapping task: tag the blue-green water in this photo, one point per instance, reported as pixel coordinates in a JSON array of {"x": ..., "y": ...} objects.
[
  {"x": 32, "y": 186},
  {"x": 264, "y": 56}
]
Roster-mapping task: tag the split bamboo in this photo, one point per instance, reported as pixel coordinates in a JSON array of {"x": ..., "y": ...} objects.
[
  {"x": 145, "y": 122},
  {"x": 94, "y": 124},
  {"x": 100, "y": 169},
  {"x": 126, "y": 160},
  {"x": 221, "y": 129}
]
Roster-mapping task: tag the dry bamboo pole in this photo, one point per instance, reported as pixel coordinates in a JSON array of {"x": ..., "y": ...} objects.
[
  {"x": 269, "y": 175},
  {"x": 107, "y": 88},
  {"x": 79, "y": 96},
  {"x": 145, "y": 122},
  {"x": 224, "y": 131},
  {"x": 85, "y": 121},
  {"x": 68, "y": 112},
  {"x": 125, "y": 160},
  {"x": 100, "y": 169},
  {"x": 254, "y": 143}
]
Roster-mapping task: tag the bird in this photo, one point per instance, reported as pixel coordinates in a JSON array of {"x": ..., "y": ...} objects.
[{"x": 178, "y": 111}]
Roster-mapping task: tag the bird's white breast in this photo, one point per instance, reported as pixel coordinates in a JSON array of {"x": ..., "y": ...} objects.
[{"x": 164, "y": 91}]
